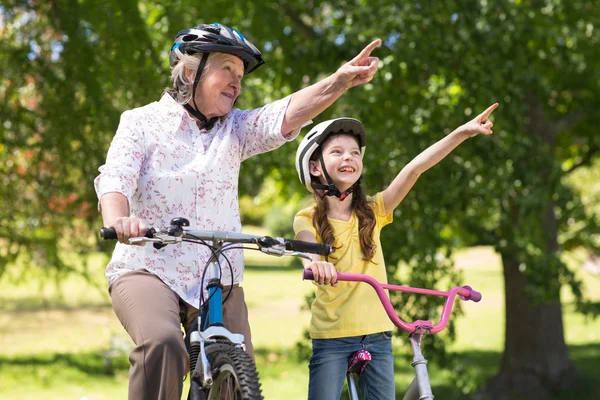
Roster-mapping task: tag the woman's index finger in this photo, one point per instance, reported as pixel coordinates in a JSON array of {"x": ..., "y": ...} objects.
[
  {"x": 485, "y": 115},
  {"x": 366, "y": 52}
]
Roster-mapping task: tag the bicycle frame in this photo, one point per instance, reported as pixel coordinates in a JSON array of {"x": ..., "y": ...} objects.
[
  {"x": 210, "y": 323},
  {"x": 420, "y": 387}
]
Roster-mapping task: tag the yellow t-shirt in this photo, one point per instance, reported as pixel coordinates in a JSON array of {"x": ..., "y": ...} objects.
[{"x": 351, "y": 308}]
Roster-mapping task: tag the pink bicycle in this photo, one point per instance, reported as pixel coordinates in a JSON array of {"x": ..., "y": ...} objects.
[{"x": 420, "y": 387}]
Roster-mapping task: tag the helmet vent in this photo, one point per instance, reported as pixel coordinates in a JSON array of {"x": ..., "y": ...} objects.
[
  {"x": 311, "y": 134},
  {"x": 189, "y": 38},
  {"x": 210, "y": 28}
]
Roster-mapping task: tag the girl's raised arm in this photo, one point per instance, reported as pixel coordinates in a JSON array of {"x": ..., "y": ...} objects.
[{"x": 404, "y": 181}]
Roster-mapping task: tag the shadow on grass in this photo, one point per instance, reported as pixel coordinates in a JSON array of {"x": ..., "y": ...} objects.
[
  {"x": 592, "y": 309},
  {"x": 476, "y": 367},
  {"x": 33, "y": 303},
  {"x": 92, "y": 364},
  {"x": 472, "y": 370}
]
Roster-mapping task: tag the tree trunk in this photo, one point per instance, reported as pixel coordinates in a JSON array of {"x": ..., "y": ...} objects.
[{"x": 535, "y": 363}]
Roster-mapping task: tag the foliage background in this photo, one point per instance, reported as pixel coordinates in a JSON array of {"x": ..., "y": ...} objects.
[{"x": 70, "y": 67}]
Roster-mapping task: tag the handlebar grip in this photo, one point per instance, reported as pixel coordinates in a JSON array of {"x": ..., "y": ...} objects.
[
  {"x": 474, "y": 295},
  {"x": 111, "y": 233},
  {"x": 108, "y": 234},
  {"x": 307, "y": 275},
  {"x": 308, "y": 247}
]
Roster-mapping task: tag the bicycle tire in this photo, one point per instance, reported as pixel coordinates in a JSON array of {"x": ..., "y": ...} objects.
[{"x": 234, "y": 376}]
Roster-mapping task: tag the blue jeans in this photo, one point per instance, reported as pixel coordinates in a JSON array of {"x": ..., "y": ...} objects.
[{"x": 329, "y": 363}]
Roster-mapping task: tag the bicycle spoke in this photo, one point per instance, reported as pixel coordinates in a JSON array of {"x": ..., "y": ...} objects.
[
  {"x": 225, "y": 386},
  {"x": 234, "y": 375}
]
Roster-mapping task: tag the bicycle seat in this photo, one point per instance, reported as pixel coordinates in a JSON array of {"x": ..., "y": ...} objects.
[{"x": 358, "y": 361}]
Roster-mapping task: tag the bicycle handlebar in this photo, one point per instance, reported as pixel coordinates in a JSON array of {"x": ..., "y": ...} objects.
[
  {"x": 274, "y": 246},
  {"x": 308, "y": 247},
  {"x": 111, "y": 233},
  {"x": 108, "y": 233},
  {"x": 464, "y": 292}
]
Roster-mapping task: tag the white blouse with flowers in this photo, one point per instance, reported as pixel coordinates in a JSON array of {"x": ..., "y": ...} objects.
[{"x": 167, "y": 167}]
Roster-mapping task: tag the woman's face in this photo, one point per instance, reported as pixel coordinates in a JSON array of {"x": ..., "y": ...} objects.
[
  {"x": 343, "y": 160},
  {"x": 220, "y": 85}
]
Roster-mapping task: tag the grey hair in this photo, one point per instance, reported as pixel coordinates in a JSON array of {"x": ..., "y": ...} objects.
[{"x": 182, "y": 84}]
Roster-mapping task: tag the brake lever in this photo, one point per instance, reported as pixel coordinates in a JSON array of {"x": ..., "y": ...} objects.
[
  {"x": 280, "y": 251},
  {"x": 299, "y": 254},
  {"x": 159, "y": 240},
  {"x": 274, "y": 251},
  {"x": 136, "y": 240}
]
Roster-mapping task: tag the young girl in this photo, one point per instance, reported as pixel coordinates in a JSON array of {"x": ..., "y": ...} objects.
[{"x": 348, "y": 316}]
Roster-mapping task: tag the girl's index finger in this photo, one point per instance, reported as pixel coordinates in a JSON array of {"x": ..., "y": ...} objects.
[
  {"x": 486, "y": 113},
  {"x": 366, "y": 52}
]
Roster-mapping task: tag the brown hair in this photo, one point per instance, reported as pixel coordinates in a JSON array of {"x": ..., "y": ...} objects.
[{"x": 360, "y": 205}]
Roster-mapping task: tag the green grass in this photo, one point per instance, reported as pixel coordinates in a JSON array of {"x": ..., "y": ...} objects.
[
  {"x": 67, "y": 344},
  {"x": 63, "y": 376}
]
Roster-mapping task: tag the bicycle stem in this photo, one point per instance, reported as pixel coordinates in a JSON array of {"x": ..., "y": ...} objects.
[{"x": 420, "y": 364}]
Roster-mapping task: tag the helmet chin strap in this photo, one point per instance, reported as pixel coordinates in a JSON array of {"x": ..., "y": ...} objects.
[
  {"x": 204, "y": 122},
  {"x": 330, "y": 189}
]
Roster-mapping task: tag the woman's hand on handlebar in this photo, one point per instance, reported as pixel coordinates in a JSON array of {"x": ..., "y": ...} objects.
[
  {"x": 128, "y": 227},
  {"x": 324, "y": 272}
]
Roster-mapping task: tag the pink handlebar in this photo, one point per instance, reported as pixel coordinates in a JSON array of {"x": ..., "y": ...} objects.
[{"x": 464, "y": 292}]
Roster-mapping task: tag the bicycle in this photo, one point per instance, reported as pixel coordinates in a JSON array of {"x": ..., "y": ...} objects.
[
  {"x": 420, "y": 387},
  {"x": 220, "y": 368}
]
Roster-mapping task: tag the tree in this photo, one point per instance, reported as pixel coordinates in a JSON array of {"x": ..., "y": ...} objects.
[
  {"x": 442, "y": 62},
  {"x": 67, "y": 74},
  {"x": 70, "y": 67}
]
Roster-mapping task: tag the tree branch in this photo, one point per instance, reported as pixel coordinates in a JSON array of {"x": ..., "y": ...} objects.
[
  {"x": 484, "y": 236},
  {"x": 569, "y": 120},
  {"x": 584, "y": 161},
  {"x": 295, "y": 17}
]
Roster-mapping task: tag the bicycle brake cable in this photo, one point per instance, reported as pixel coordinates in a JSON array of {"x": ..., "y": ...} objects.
[{"x": 195, "y": 240}]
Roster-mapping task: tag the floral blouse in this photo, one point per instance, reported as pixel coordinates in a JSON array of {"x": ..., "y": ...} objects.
[{"x": 167, "y": 167}]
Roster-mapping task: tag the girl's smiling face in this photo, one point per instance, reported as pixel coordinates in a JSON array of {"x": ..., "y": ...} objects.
[{"x": 343, "y": 161}]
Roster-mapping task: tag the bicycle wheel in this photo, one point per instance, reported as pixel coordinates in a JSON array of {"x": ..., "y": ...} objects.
[{"x": 234, "y": 376}]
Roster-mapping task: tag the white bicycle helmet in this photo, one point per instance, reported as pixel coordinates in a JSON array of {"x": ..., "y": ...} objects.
[{"x": 316, "y": 137}]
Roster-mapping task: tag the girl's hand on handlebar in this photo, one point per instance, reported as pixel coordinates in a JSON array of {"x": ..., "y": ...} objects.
[
  {"x": 324, "y": 272},
  {"x": 128, "y": 227}
]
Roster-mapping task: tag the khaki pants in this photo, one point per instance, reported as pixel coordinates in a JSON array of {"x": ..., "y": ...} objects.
[{"x": 150, "y": 313}]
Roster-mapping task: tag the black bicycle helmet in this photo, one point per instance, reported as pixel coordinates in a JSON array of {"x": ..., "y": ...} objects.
[
  {"x": 209, "y": 38},
  {"x": 213, "y": 38}
]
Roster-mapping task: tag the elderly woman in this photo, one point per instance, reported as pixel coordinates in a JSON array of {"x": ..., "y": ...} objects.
[{"x": 180, "y": 157}]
